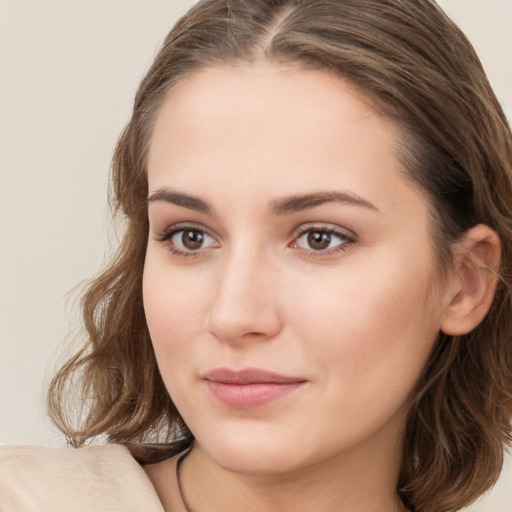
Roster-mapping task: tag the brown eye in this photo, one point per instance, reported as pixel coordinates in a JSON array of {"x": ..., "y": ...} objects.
[
  {"x": 319, "y": 240},
  {"x": 322, "y": 240},
  {"x": 191, "y": 240}
]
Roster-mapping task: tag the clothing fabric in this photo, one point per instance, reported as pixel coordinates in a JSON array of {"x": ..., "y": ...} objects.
[{"x": 103, "y": 478}]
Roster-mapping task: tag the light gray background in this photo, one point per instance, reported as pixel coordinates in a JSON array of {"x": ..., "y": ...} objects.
[{"x": 68, "y": 74}]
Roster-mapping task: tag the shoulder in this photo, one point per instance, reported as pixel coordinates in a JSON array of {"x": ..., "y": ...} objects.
[{"x": 61, "y": 479}]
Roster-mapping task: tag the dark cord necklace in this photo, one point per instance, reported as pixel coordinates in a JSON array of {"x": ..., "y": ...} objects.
[{"x": 178, "y": 480}]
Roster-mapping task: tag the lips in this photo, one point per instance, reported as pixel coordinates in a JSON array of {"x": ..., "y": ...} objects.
[{"x": 248, "y": 388}]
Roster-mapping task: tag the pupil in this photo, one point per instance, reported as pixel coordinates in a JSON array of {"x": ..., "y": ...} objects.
[
  {"x": 319, "y": 240},
  {"x": 192, "y": 239}
]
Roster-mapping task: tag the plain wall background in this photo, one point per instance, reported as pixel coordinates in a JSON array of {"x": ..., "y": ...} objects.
[{"x": 68, "y": 73}]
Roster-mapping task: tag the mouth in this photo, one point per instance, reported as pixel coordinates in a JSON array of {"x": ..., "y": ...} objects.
[{"x": 248, "y": 388}]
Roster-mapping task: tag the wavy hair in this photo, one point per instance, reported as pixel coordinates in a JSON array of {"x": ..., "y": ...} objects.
[{"x": 416, "y": 67}]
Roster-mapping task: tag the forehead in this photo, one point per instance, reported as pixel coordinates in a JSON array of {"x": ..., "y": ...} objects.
[
  {"x": 258, "y": 93},
  {"x": 273, "y": 129}
]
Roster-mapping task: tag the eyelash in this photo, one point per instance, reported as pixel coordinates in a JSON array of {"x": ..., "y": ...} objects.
[
  {"x": 347, "y": 241},
  {"x": 166, "y": 236}
]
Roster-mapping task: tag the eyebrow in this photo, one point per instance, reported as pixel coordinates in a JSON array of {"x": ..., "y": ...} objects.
[
  {"x": 180, "y": 199},
  {"x": 299, "y": 203},
  {"x": 283, "y": 206}
]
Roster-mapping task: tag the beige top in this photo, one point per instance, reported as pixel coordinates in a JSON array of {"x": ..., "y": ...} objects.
[{"x": 94, "y": 478}]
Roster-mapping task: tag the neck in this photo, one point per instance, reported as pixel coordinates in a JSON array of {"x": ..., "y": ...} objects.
[{"x": 353, "y": 483}]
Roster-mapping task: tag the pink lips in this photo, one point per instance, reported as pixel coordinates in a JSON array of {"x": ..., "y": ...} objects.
[{"x": 248, "y": 388}]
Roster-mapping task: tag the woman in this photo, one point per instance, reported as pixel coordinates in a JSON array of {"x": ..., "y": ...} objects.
[{"x": 311, "y": 306}]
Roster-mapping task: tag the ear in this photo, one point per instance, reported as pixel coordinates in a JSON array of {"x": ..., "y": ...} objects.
[{"x": 473, "y": 284}]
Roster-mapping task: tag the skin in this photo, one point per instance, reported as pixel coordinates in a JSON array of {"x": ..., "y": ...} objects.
[{"x": 355, "y": 321}]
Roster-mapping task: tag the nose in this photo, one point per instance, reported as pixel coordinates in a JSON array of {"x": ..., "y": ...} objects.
[{"x": 245, "y": 306}]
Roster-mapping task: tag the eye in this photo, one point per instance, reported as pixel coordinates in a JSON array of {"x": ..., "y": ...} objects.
[
  {"x": 322, "y": 240},
  {"x": 187, "y": 241},
  {"x": 191, "y": 240}
]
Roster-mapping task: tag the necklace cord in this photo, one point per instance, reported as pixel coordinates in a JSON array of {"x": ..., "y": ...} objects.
[{"x": 178, "y": 480}]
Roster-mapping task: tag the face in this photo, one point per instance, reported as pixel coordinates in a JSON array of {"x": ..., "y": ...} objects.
[{"x": 288, "y": 277}]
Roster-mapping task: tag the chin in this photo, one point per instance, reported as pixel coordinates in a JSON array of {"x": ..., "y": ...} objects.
[
  {"x": 255, "y": 462},
  {"x": 250, "y": 455}
]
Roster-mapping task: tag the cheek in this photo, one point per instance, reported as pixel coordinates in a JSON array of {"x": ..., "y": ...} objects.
[
  {"x": 172, "y": 303},
  {"x": 377, "y": 326},
  {"x": 173, "y": 295},
  {"x": 170, "y": 322}
]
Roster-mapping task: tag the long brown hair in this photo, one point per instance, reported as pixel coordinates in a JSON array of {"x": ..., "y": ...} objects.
[{"x": 417, "y": 68}]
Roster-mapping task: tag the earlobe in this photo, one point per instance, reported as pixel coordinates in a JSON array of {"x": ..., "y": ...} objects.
[{"x": 477, "y": 259}]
